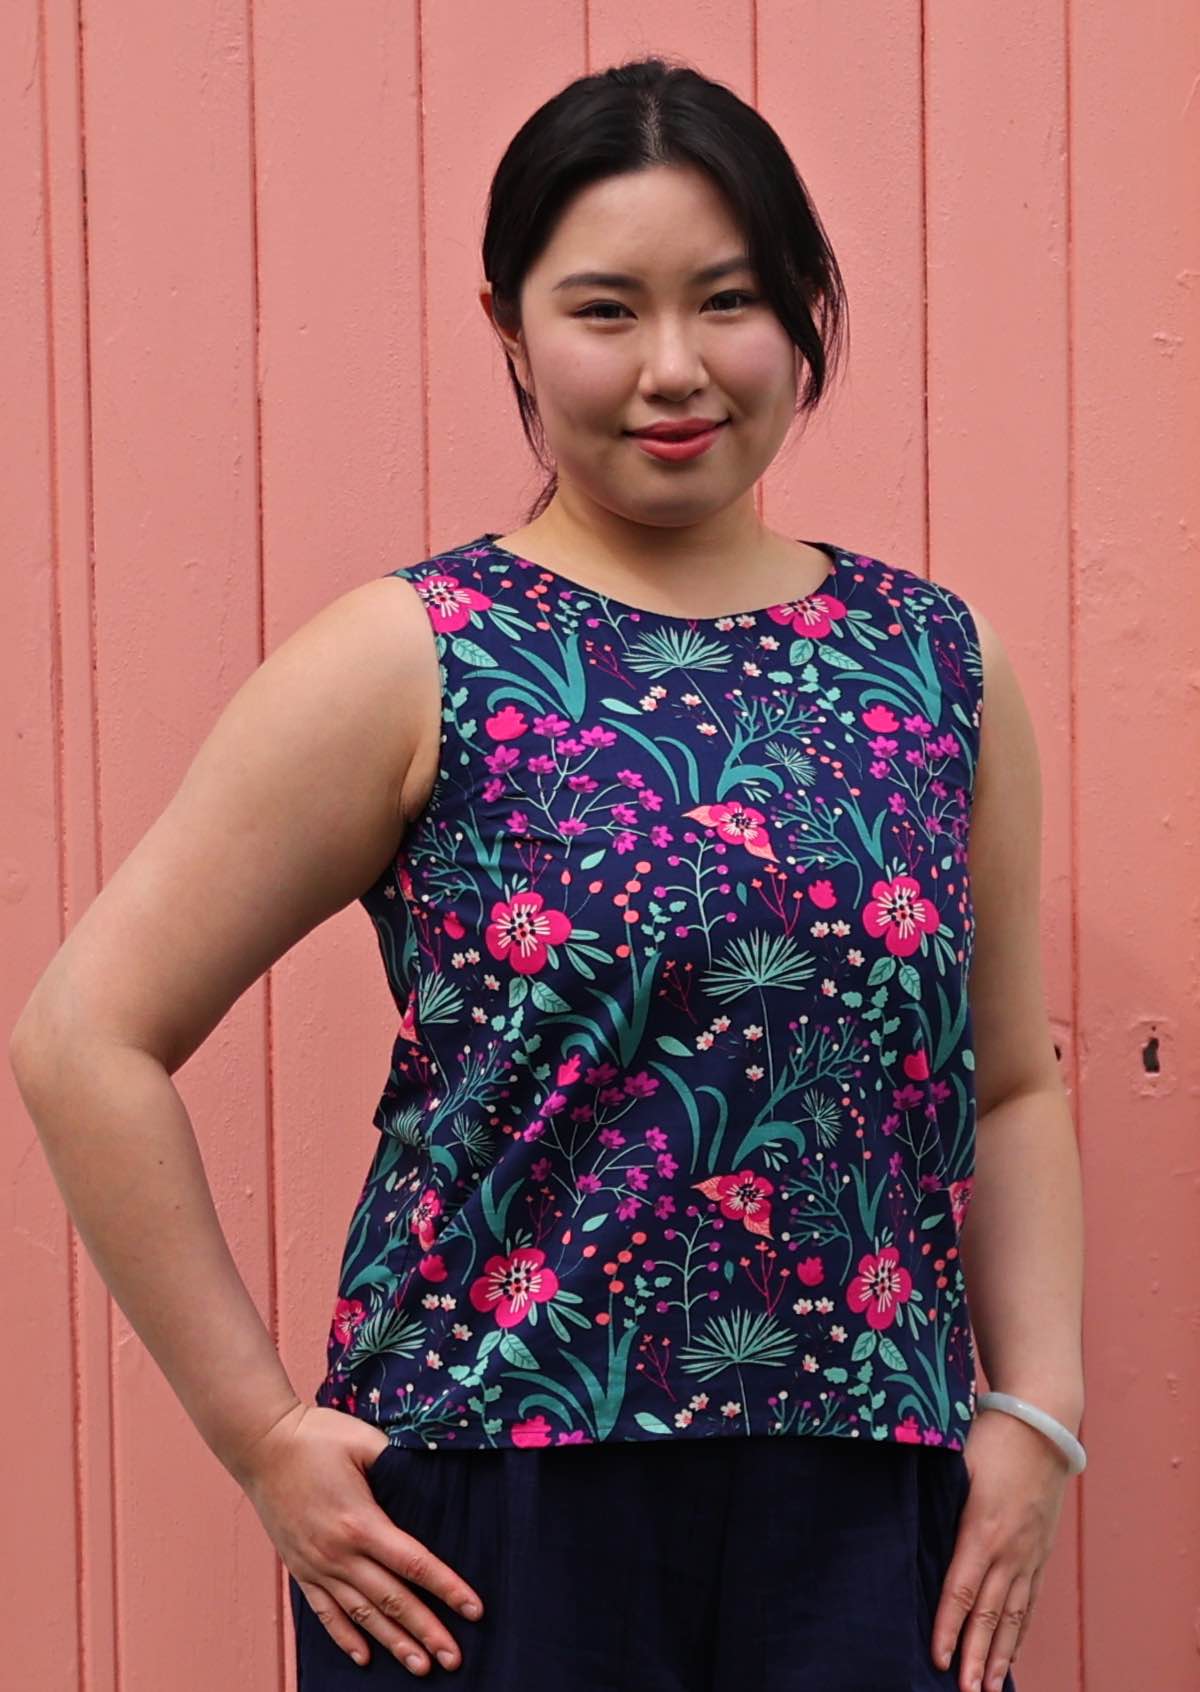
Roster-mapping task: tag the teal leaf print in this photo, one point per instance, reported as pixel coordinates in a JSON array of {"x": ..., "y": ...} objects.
[
  {"x": 652, "y": 1424},
  {"x": 759, "y": 960},
  {"x": 891, "y": 1354},
  {"x": 389, "y": 1333},
  {"x": 514, "y": 1350},
  {"x": 467, "y": 652},
  {"x": 712, "y": 1069},
  {"x": 839, "y": 660},
  {"x": 741, "y": 1338},
  {"x": 769, "y": 1134},
  {"x": 546, "y": 999},
  {"x": 664, "y": 650}
]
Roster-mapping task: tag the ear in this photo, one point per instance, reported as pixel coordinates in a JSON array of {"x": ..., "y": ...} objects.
[{"x": 514, "y": 344}]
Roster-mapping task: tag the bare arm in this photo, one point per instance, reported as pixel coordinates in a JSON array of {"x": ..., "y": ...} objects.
[
  {"x": 290, "y": 810},
  {"x": 1023, "y": 1240}
]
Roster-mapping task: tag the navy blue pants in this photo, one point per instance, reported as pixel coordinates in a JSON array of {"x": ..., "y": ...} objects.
[{"x": 735, "y": 1564}]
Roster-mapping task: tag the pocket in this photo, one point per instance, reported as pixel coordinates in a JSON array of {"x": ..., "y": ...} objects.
[
  {"x": 380, "y": 1457},
  {"x": 943, "y": 1482}
]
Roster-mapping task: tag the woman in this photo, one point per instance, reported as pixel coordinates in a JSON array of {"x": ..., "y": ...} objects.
[{"x": 662, "y": 818}]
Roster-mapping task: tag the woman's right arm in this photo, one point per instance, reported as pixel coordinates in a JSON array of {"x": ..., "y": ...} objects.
[{"x": 292, "y": 807}]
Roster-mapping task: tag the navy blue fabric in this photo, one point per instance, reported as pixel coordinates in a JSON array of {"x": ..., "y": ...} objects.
[
  {"x": 680, "y": 1121},
  {"x": 714, "y": 1565}
]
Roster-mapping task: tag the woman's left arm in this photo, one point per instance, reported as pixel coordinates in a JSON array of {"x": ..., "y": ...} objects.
[{"x": 1022, "y": 1240}]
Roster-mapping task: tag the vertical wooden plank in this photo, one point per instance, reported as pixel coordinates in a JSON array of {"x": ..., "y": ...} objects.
[
  {"x": 846, "y": 101},
  {"x": 1135, "y": 337},
  {"x": 481, "y": 474},
  {"x": 995, "y": 194},
  {"x": 337, "y": 121},
  {"x": 44, "y": 718},
  {"x": 176, "y": 496}
]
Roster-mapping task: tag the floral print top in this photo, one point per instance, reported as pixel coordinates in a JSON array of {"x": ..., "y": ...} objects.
[{"x": 679, "y": 1133}]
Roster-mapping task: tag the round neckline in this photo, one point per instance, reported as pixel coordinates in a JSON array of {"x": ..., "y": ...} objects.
[{"x": 832, "y": 552}]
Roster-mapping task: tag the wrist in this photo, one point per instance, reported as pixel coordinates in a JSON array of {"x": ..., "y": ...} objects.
[{"x": 1065, "y": 1403}]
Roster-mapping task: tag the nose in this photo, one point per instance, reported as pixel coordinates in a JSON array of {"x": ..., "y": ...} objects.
[{"x": 673, "y": 367}]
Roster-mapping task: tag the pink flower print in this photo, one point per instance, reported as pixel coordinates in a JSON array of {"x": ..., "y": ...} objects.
[
  {"x": 534, "y": 1432},
  {"x": 509, "y": 1285},
  {"x": 520, "y": 931},
  {"x": 348, "y": 1313},
  {"x": 422, "y": 1223},
  {"x": 448, "y": 603},
  {"x": 641, "y": 1085},
  {"x": 598, "y": 736},
  {"x": 897, "y": 910},
  {"x": 568, "y": 1071},
  {"x": 742, "y": 1198},
  {"x": 408, "y": 1022},
  {"x": 916, "y": 1066},
  {"x": 814, "y": 616},
  {"x": 822, "y": 895},
  {"x": 453, "y": 925},
  {"x": 880, "y": 1285},
  {"x": 433, "y": 1267},
  {"x": 960, "y": 1197},
  {"x": 810, "y": 1271},
  {"x": 740, "y": 824},
  {"x": 600, "y": 1074},
  {"x": 907, "y": 1432},
  {"x": 507, "y": 724},
  {"x": 503, "y": 759},
  {"x": 551, "y": 725},
  {"x": 881, "y": 719}
]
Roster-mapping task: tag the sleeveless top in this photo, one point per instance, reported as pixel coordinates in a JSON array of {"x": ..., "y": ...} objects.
[{"x": 679, "y": 1133}]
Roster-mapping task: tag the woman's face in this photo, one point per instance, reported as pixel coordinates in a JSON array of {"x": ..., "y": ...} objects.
[{"x": 601, "y": 358}]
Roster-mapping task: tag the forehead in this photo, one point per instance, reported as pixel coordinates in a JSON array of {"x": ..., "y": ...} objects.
[{"x": 665, "y": 223}]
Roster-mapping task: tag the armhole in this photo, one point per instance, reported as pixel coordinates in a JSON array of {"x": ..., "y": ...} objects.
[{"x": 413, "y": 824}]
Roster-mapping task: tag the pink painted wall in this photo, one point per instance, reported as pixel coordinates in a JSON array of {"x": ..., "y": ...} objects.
[{"x": 244, "y": 368}]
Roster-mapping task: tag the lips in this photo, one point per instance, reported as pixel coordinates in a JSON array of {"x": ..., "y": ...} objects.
[{"x": 661, "y": 432}]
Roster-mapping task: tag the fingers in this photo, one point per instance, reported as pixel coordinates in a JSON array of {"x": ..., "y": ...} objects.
[
  {"x": 368, "y": 1586},
  {"x": 998, "y": 1649},
  {"x": 994, "y": 1600},
  {"x": 393, "y": 1619}
]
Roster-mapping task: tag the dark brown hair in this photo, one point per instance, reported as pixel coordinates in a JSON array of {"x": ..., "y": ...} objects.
[{"x": 653, "y": 112}]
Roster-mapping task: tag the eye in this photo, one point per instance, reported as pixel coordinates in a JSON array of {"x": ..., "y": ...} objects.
[
  {"x": 734, "y": 294},
  {"x": 615, "y": 305}
]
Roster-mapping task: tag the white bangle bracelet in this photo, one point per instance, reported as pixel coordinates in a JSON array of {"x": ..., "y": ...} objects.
[{"x": 1041, "y": 1420}]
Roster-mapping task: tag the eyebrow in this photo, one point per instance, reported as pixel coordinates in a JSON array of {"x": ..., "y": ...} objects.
[{"x": 616, "y": 279}]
